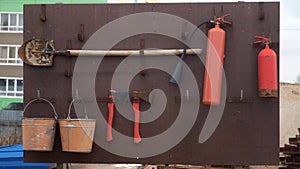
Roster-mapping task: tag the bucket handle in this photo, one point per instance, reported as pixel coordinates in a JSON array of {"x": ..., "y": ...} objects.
[
  {"x": 45, "y": 100},
  {"x": 70, "y": 106}
]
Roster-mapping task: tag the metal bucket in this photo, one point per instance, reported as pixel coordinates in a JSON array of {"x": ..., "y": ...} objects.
[
  {"x": 77, "y": 134},
  {"x": 38, "y": 133}
]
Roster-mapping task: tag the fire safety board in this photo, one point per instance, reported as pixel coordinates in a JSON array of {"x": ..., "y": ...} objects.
[{"x": 174, "y": 126}]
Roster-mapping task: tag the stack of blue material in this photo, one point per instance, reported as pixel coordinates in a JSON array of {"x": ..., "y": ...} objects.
[{"x": 12, "y": 157}]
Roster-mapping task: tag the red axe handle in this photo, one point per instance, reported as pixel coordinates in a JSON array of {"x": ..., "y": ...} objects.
[
  {"x": 136, "y": 108},
  {"x": 110, "y": 120}
]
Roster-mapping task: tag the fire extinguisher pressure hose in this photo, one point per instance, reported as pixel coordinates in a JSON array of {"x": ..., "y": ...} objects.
[
  {"x": 192, "y": 34},
  {"x": 177, "y": 72}
]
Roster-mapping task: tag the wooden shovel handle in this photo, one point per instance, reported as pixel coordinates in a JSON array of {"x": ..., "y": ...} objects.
[{"x": 148, "y": 52}]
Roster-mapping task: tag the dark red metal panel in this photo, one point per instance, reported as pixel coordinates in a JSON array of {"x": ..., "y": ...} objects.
[{"x": 248, "y": 132}]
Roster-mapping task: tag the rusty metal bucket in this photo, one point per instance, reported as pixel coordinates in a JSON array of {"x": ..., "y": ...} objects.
[
  {"x": 38, "y": 133},
  {"x": 77, "y": 134}
]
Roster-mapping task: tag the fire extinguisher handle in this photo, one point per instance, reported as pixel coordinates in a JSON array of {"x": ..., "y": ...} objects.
[
  {"x": 262, "y": 39},
  {"x": 227, "y": 22},
  {"x": 259, "y": 41},
  {"x": 258, "y": 37},
  {"x": 221, "y": 20}
]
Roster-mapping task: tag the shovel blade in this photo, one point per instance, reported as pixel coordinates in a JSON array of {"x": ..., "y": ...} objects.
[{"x": 37, "y": 52}]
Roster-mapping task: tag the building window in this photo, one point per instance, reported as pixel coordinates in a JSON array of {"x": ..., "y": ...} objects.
[
  {"x": 11, "y": 87},
  {"x": 9, "y": 55},
  {"x": 11, "y": 22}
]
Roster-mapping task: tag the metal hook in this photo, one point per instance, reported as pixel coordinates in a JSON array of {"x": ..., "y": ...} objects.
[
  {"x": 38, "y": 94},
  {"x": 187, "y": 95},
  {"x": 76, "y": 94},
  {"x": 242, "y": 95},
  {"x": 74, "y": 100}
]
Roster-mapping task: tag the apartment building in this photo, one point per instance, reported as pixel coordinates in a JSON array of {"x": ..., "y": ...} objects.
[{"x": 11, "y": 67}]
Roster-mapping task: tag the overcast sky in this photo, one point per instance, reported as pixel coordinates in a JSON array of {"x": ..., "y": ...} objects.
[{"x": 289, "y": 40}]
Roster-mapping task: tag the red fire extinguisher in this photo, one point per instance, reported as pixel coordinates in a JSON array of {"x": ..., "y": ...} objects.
[
  {"x": 267, "y": 69},
  {"x": 214, "y": 63}
]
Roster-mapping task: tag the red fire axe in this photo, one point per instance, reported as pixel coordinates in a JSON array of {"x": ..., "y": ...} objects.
[{"x": 110, "y": 105}]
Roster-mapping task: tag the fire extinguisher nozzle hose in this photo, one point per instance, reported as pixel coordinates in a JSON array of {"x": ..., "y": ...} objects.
[{"x": 177, "y": 72}]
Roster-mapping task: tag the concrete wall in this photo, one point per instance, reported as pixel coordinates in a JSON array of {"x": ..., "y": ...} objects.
[{"x": 289, "y": 111}]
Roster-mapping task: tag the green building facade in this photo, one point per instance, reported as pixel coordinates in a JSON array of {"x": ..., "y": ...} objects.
[{"x": 17, "y": 5}]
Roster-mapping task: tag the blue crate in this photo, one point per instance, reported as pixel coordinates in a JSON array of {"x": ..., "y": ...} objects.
[{"x": 12, "y": 157}]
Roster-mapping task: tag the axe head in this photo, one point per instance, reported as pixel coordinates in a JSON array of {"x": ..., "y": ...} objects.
[
  {"x": 124, "y": 95},
  {"x": 143, "y": 95},
  {"x": 119, "y": 95}
]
